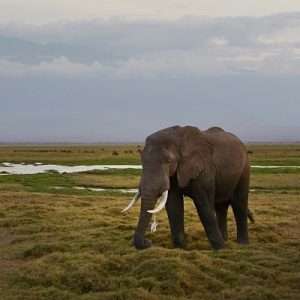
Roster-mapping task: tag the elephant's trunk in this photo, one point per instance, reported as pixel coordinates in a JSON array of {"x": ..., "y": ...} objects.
[
  {"x": 144, "y": 221},
  {"x": 151, "y": 188}
]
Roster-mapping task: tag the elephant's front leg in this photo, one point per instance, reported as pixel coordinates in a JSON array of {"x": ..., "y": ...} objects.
[
  {"x": 175, "y": 210},
  {"x": 205, "y": 209}
]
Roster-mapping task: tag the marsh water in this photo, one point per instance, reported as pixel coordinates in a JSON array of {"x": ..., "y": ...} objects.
[
  {"x": 10, "y": 168},
  {"x": 22, "y": 168}
]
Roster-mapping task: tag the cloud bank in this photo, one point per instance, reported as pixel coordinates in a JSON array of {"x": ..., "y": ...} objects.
[{"x": 118, "y": 48}]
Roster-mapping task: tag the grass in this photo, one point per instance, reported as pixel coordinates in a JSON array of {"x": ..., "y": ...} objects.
[
  {"x": 283, "y": 181},
  {"x": 71, "y": 155},
  {"x": 274, "y": 154},
  {"x": 106, "y": 181},
  {"x": 76, "y": 244}
]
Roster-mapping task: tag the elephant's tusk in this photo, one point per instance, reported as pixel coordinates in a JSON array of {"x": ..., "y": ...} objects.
[
  {"x": 135, "y": 198},
  {"x": 162, "y": 203}
]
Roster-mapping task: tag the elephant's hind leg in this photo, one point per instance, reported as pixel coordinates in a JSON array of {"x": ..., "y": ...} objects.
[
  {"x": 239, "y": 205},
  {"x": 221, "y": 212}
]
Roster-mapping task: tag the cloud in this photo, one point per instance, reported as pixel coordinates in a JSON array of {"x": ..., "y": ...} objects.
[
  {"x": 120, "y": 49},
  {"x": 61, "y": 66},
  {"x": 37, "y": 11},
  {"x": 182, "y": 64}
]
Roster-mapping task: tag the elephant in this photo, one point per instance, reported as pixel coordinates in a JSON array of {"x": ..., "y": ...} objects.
[{"x": 211, "y": 167}]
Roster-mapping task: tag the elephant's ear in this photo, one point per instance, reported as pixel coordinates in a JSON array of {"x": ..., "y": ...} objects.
[{"x": 195, "y": 153}]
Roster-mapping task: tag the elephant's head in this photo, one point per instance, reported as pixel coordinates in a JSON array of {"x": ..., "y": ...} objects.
[{"x": 183, "y": 151}]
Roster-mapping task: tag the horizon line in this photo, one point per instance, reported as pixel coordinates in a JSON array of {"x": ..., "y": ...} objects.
[{"x": 34, "y": 143}]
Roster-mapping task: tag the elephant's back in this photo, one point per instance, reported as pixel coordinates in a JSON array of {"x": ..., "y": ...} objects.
[
  {"x": 223, "y": 139},
  {"x": 229, "y": 157}
]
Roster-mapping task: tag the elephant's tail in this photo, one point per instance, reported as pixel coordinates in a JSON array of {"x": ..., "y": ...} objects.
[{"x": 250, "y": 216}]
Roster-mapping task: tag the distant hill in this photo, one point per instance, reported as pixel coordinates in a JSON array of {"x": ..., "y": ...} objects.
[{"x": 28, "y": 52}]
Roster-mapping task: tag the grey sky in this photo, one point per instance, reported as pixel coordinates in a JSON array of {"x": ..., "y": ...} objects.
[{"x": 120, "y": 78}]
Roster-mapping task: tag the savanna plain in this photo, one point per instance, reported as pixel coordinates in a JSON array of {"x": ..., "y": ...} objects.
[{"x": 59, "y": 242}]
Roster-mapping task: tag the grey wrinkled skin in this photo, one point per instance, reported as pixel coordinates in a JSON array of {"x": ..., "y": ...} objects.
[{"x": 211, "y": 167}]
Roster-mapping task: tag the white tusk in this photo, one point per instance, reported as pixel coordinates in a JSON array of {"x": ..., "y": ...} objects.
[
  {"x": 135, "y": 198},
  {"x": 162, "y": 203}
]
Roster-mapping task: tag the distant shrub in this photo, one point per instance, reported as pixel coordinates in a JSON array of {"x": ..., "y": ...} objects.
[{"x": 115, "y": 153}]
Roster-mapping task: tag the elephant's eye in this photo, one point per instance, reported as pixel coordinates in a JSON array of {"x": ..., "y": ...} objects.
[{"x": 168, "y": 161}]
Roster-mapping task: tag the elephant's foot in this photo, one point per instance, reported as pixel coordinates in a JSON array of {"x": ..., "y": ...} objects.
[
  {"x": 224, "y": 234},
  {"x": 243, "y": 241},
  {"x": 216, "y": 240},
  {"x": 242, "y": 238},
  {"x": 179, "y": 242},
  {"x": 218, "y": 245},
  {"x": 180, "y": 245},
  {"x": 141, "y": 244}
]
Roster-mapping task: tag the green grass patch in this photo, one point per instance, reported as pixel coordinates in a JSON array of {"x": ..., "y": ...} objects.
[
  {"x": 115, "y": 172},
  {"x": 275, "y": 171},
  {"x": 56, "y": 183},
  {"x": 39, "y": 182}
]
